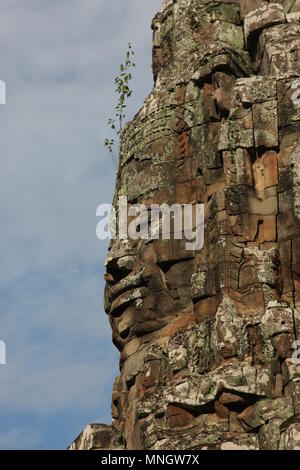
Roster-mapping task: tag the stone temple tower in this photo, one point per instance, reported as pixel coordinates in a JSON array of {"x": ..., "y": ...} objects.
[{"x": 207, "y": 338}]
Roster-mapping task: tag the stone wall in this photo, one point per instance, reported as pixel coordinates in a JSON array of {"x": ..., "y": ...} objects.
[{"x": 205, "y": 337}]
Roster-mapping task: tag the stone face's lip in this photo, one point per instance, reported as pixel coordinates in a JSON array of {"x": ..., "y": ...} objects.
[
  {"x": 128, "y": 283},
  {"x": 126, "y": 299}
]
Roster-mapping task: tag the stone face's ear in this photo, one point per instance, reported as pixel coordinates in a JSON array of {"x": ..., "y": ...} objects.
[{"x": 223, "y": 97}]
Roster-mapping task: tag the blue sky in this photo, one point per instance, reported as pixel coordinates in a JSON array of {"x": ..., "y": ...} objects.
[{"x": 58, "y": 59}]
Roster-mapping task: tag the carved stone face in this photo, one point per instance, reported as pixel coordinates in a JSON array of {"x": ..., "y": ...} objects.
[
  {"x": 195, "y": 142},
  {"x": 148, "y": 285},
  {"x": 149, "y": 282}
]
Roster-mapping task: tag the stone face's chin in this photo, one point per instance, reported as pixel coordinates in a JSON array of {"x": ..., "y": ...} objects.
[{"x": 206, "y": 336}]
